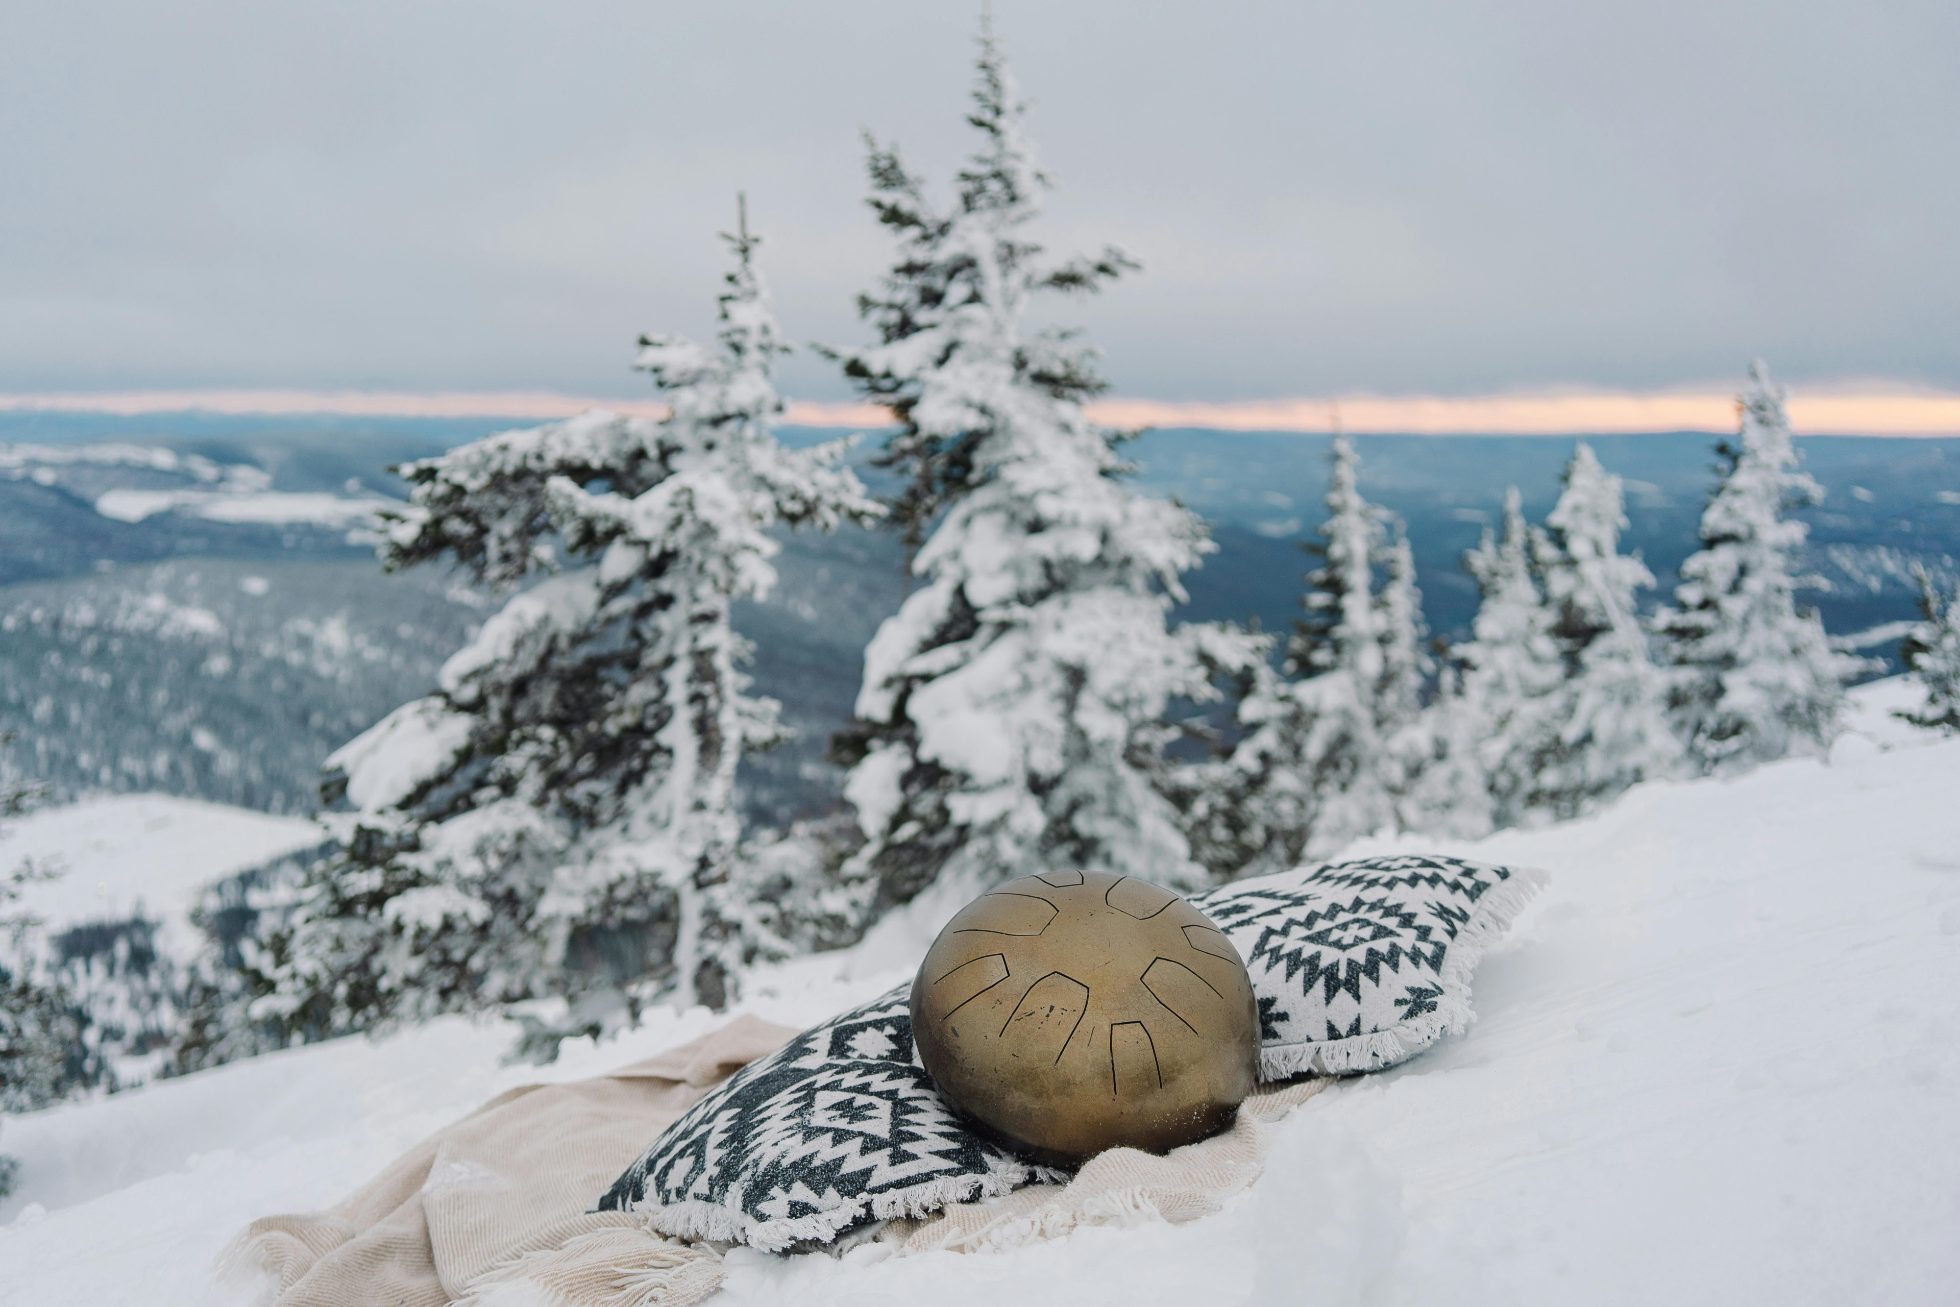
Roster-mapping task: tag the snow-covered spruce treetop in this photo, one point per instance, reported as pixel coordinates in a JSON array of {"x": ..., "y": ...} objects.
[
  {"x": 1611, "y": 710},
  {"x": 1755, "y": 677},
  {"x": 1511, "y": 668},
  {"x": 1931, "y": 653},
  {"x": 1342, "y": 626},
  {"x": 558, "y": 819},
  {"x": 1012, "y": 713}
]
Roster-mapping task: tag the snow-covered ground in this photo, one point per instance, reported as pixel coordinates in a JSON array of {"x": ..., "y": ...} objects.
[
  {"x": 198, "y": 487},
  {"x": 1715, "y": 1063},
  {"x": 149, "y": 854},
  {"x": 274, "y": 507}
]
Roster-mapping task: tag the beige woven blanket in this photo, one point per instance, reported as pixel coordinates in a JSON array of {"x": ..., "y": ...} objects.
[{"x": 493, "y": 1208}]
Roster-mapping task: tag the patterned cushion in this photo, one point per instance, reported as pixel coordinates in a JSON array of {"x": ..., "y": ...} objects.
[
  {"x": 1360, "y": 965},
  {"x": 1356, "y": 966},
  {"x": 838, "y": 1127}
]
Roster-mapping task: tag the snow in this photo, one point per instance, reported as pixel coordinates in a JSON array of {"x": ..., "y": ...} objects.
[
  {"x": 18, "y": 459},
  {"x": 157, "y": 613},
  {"x": 218, "y": 492},
  {"x": 275, "y": 508},
  {"x": 284, "y": 507},
  {"x": 135, "y": 505},
  {"x": 149, "y": 851},
  {"x": 1884, "y": 635},
  {"x": 400, "y": 753},
  {"x": 1715, "y": 1062},
  {"x": 551, "y": 610}
]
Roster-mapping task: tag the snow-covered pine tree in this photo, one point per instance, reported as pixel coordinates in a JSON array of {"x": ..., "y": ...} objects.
[
  {"x": 1316, "y": 763},
  {"x": 1341, "y": 628},
  {"x": 1754, "y": 678},
  {"x": 1610, "y": 712},
  {"x": 557, "y": 820},
  {"x": 1341, "y": 653},
  {"x": 1248, "y": 810},
  {"x": 1437, "y": 781},
  {"x": 1406, "y": 668},
  {"x": 1012, "y": 714},
  {"x": 1448, "y": 792},
  {"x": 1511, "y": 669},
  {"x": 1932, "y": 657}
]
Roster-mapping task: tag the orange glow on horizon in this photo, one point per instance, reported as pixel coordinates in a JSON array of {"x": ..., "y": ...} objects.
[{"x": 1864, "y": 409}]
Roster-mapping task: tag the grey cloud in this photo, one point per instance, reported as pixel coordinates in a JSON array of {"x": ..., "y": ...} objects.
[{"x": 1397, "y": 197}]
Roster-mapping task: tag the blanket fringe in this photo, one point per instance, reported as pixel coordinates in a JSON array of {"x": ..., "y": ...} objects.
[
  {"x": 1120, "y": 1207},
  {"x": 622, "y": 1266},
  {"x": 260, "y": 1263},
  {"x": 1489, "y": 919},
  {"x": 240, "y": 1264}
]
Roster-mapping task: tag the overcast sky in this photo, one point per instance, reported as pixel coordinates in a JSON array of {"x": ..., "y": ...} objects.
[{"x": 1444, "y": 198}]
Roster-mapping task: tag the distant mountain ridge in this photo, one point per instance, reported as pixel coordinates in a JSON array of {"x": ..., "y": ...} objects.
[{"x": 297, "y": 640}]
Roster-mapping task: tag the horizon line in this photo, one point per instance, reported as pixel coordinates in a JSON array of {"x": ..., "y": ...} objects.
[{"x": 1849, "y": 408}]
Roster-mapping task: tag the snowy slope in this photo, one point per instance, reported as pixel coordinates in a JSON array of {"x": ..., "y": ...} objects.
[
  {"x": 150, "y": 853},
  {"x": 1715, "y": 1063}
]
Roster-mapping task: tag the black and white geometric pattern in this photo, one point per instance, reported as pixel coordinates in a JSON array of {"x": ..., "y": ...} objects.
[
  {"x": 1356, "y": 966},
  {"x": 1360, "y": 965},
  {"x": 838, "y": 1127}
]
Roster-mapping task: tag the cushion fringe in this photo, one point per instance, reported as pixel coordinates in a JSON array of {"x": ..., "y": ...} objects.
[{"x": 711, "y": 1221}]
